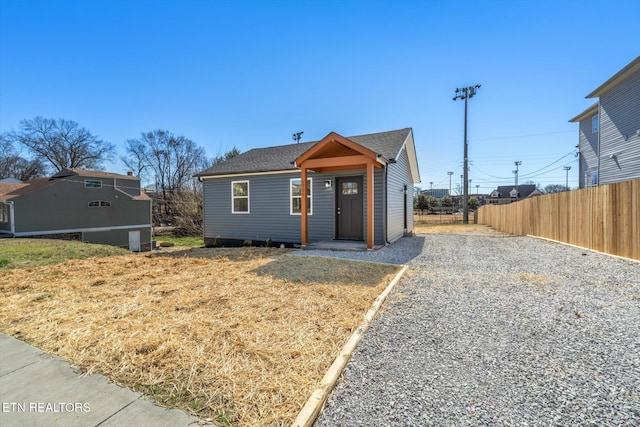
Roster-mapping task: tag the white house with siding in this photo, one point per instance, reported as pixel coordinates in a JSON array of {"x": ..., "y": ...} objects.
[
  {"x": 609, "y": 132},
  {"x": 357, "y": 188}
]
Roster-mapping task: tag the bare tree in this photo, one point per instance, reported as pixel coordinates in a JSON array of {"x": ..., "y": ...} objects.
[
  {"x": 170, "y": 161},
  {"x": 555, "y": 188},
  {"x": 13, "y": 165},
  {"x": 62, "y": 144}
]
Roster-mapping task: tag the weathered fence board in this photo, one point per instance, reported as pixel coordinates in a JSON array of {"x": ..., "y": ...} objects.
[{"x": 604, "y": 218}]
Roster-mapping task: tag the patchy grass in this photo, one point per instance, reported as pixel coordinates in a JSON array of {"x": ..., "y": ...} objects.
[
  {"x": 187, "y": 241},
  {"x": 27, "y": 253},
  {"x": 242, "y": 336}
]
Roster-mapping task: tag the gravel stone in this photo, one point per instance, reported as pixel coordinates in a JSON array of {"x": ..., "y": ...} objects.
[{"x": 486, "y": 330}]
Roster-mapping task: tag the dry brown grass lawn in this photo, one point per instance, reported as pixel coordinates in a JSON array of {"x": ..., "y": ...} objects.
[
  {"x": 433, "y": 228},
  {"x": 241, "y": 336}
]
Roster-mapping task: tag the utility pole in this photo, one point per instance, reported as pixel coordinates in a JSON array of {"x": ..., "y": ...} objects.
[
  {"x": 297, "y": 136},
  {"x": 477, "y": 189},
  {"x": 567, "y": 169},
  {"x": 465, "y": 93},
  {"x": 449, "y": 173},
  {"x": 431, "y": 191},
  {"x": 517, "y": 163}
]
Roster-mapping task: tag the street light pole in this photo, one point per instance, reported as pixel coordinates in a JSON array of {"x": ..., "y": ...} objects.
[
  {"x": 517, "y": 163},
  {"x": 567, "y": 169},
  {"x": 465, "y": 93}
]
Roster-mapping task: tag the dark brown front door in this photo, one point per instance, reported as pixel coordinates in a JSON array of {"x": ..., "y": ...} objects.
[{"x": 349, "y": 208}]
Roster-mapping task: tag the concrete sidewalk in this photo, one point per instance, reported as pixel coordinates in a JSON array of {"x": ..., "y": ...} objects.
[{"x": 37, "y": 389}]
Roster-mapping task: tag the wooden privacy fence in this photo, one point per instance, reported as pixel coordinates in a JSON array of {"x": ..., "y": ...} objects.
[{"x": 604, "y": 218}]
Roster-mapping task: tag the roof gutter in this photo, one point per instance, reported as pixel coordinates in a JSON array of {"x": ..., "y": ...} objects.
[{"x": 11, "y": 216}]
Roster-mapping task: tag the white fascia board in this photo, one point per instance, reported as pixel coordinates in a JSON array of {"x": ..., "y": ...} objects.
[{"x": 413, "y": 158}]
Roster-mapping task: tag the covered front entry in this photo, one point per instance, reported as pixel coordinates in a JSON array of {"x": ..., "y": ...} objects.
[
  {"x": 336, "y": 153},
  {"x": 349, "y": 208}
]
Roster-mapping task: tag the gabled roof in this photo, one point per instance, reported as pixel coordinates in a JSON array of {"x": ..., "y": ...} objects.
[
  {"x": 282, "y": 157},
  {"x": 525, "y": 190},
  {"x": 89, "y": 174},
  {"x": 630, "y": 69},
  {"x": 591, "y": 111},
  {"x": 9, "y": 191}
]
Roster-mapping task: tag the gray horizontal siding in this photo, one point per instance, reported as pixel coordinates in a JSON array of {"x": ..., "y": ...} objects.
[
  {"x": 619, "y": 124},
  {"x": 69, "y": 200},
  {"x": 270, "y": 215},
  {"x": 588, "y": 146},
  {"x": 398, "y": 176}
]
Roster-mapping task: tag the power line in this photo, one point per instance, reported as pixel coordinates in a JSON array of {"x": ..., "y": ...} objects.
[{"x": 521, "y": 136}]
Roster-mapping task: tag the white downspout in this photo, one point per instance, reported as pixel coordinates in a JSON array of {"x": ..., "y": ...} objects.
[{"x": 11, "y": 216}]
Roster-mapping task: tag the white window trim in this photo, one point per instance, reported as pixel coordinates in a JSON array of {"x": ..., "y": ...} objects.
[
  {"x": 291, "y": 212},
  {"x": 596, "y": 128},
  {"x": 233, "y": 198}
]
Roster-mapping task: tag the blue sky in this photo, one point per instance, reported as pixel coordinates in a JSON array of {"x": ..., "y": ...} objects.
[{"x": 250, "y": 73}]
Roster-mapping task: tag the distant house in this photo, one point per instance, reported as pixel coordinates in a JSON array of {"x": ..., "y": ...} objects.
[
  {"x": 508, "y": 194},
  {"x": 95, "y": 207},
  {"x": 358, "y": 188},
  {"x": 438, "y": 193},
  {"x": 609, "y": 132},
  {"x": 10, "y": 181}
]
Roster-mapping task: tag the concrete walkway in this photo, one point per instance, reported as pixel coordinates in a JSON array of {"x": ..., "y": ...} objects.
[{"x": 37, "y": 389}]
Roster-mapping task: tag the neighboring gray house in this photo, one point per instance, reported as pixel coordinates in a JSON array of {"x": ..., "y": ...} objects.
[
  {"x": 508, "y": 194},
  {"x": 609, "y": 138},
  {"x": 358, "y": 188},
  {"x": 95, "y": 207}
]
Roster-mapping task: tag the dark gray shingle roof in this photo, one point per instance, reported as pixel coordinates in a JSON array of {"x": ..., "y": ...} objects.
[
  {"x": 278, "y": 158},
  {"x": 524, "y": 189}
]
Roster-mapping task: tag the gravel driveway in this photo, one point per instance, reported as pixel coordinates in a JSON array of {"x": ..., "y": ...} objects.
[{"x": 499, "y": 331}]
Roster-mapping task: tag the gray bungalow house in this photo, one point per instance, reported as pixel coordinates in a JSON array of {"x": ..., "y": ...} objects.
[
  {"x": 358, "y": 188},
  {"x": 95, "y": 207},
  {"x": 609, "y": 132}
]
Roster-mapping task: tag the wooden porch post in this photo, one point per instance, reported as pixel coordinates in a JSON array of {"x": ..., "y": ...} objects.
[
  {"x": 303, "y": 207},
  {"x": 370, "y": 213}
]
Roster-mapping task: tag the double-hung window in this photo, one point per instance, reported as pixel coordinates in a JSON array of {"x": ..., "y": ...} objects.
[
  {"x": 240, "y": 197},
  {"x": 4, "y": 212},
  {"x": 295, "y": 196}
]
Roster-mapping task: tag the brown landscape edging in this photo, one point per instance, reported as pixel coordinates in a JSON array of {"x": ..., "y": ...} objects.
[{"x": 312, "y": 408}]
